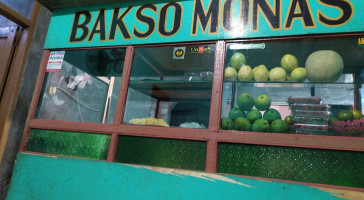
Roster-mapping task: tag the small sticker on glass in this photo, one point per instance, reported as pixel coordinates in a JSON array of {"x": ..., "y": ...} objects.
[
  {"x": 179, "y": 52},
  {"x": 55, "y": 61}
]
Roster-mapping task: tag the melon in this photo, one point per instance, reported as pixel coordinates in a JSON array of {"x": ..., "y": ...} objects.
[{"x": 324, "y": 66}]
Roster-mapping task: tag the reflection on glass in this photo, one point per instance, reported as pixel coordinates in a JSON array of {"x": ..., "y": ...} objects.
[
  {"x": 23, "y": 7},
  {"x": 307, "y": 86},
  {"x": 86, "y": 87},
  {"x": 171, "y": 86}
]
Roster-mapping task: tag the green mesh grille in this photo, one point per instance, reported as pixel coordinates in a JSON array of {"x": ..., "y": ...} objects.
[
  {"x": 181, "y": 154},
  {"x": 342, "y": 168},
  {"x": 85, "y": 145}
]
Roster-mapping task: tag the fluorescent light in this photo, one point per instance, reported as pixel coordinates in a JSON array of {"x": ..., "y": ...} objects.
[{"x": 247, "y": 46}]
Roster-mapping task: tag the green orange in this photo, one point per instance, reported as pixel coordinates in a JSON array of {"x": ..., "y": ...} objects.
[
  {"x": 345, "y": 115},
  {"x": 357, "y": 114}
]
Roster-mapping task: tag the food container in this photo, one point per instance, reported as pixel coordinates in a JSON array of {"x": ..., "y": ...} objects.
[
  {"x": 311, "y": 120},
  {"x": 311, "y": 128},
  {"x": 353, "y": 128},
  {"x": 310, "y": 107},
  {"x": 312, "y": 114},
  {"x": 304, "y": 100},
  {"x": 307, "y": 132},
  {"x": 206, "y": 75}
]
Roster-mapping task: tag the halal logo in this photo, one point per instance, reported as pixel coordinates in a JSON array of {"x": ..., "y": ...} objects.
[{"x": 179, "y": 53}]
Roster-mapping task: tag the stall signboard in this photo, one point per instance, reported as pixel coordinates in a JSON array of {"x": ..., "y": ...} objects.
[{"x": 139, "y": 22}]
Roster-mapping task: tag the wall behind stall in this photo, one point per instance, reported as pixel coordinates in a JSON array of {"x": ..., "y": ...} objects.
[{"x": 23, "y": 103}]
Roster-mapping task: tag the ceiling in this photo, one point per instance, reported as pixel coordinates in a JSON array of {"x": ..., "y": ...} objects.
[{"x": 59, "y": 4}]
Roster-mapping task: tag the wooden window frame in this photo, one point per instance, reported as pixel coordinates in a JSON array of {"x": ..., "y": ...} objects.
[
  {"x": 16, "y": 70},
  {"x": 213, "y": 135}
]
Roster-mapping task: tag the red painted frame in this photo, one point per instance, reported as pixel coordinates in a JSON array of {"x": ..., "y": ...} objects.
[{"x": 213, "y": 135}]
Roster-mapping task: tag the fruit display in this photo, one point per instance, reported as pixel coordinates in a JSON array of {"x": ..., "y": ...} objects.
[
  {"x": 308, "y": 115},
  {"x": 247, "y": 118},
  {"x": 324, "y": 66}
]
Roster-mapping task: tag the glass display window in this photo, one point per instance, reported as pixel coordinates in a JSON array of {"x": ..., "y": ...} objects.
[
  {"x": 170, "y": 86},
  {"x": 294, "y": 86},
  {"x": 84, "y": 87}
]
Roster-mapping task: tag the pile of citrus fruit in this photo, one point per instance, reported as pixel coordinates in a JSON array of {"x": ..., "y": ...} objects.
[
  {"x": 247, "y": 116},
  {"x": 289, "y": 70}
]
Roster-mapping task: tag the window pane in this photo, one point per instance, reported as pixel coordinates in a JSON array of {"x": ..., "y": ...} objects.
[
  {"x": 86, "y": 87},
  {"x": 85, "y": 145},
  {"x": 23, "y": 7},
  {"x": 181, "y": 154},
  {"x": 342, "y": 168},
  {"x": 297, "y": 86},
  {"x": 171, "y": 86},
  {"x": 5, "y": 24}
]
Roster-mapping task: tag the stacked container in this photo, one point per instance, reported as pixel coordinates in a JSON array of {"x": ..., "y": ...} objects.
[{"x": 310, "y": 115}]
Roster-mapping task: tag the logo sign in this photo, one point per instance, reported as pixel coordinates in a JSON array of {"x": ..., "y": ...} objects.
[
  {"x": 179, "y": 52},
  {"x": 201, "y": 49},
  {"x": 126, "y": 23},
  {"x": 361, "y": 42},
  {"x": 55, "y": 61}
]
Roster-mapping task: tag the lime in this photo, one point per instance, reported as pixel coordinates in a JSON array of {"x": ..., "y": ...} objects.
[
  {"x": 227, "y": 124},
  {"x": 242, "y": 124},
  {"x": 345, "y": 115},
  {"x": 254, "y": 115},
  {"x": 235, "y": 113},
  {"x": 271, "y": 114},
  {"x": 245, "y": 102},
  {"x": 260, "y": 125},
  {"x": 289, "y": 120},
  {"x": 262, "y": 102},
  {"x": 279, "y": 126}
]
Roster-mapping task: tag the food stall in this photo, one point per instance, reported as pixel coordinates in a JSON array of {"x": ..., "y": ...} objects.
[{"x": 232, "y": 91}]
